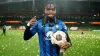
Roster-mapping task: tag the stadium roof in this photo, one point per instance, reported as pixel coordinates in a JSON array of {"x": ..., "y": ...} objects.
[
  {"x": 79, "y": 0},
  {"x": 45, "y": 0}
]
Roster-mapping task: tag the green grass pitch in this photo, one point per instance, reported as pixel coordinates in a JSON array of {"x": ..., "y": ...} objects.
[{"x": 13, "y": 44}]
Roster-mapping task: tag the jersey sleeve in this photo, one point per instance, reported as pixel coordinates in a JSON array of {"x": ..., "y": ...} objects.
[{"x": 30, "y": 31}]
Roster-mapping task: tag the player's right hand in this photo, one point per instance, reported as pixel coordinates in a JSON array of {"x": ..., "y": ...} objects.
[{"x": 32, "y": 21}]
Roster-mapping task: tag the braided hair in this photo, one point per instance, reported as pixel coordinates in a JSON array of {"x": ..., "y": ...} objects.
[{"x": 45, "y": 19}]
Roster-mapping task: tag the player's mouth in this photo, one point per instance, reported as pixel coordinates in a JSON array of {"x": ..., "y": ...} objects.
[{"x": 50, "y": 15}]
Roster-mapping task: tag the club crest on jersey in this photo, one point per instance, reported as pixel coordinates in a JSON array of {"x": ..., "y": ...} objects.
[{"x": 47, "y": 35}]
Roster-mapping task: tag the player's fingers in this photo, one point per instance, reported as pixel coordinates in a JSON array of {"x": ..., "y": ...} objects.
[
  {"x": 34, "y": 17},
  {"x": 33, "y": 20},
  {"x": 32, "y": 23}
]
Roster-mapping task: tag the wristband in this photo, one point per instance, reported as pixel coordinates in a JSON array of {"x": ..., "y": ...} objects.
[{"x": 28, "y": 24}]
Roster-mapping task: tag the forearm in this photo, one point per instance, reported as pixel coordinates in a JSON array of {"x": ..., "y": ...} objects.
[
  {"x": 69, "y": 40},
  {"x": 27, "y": 33}
]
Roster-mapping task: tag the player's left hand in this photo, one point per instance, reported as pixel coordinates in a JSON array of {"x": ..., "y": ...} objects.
[{"x": 65, "y": 46}]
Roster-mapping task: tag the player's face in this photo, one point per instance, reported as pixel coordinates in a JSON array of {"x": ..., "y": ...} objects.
[{"x": 50, "y": 10}]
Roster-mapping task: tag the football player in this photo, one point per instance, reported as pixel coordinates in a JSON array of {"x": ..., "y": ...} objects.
[
  {"x": 45, "y": 25},
  {"x": 4, "y": 30}
]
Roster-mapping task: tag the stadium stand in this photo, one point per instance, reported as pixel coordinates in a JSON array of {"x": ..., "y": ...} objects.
[{"x": 76, "y": 13}]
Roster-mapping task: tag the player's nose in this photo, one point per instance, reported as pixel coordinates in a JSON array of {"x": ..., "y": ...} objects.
[{"x": 50, "y": 11}]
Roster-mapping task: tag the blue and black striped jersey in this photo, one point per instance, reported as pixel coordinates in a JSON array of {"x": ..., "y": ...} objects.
[{"x": 46, "y": 47}]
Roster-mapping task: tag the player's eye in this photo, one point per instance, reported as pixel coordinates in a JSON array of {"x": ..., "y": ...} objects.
[
  {"x": 48, "y": 8},
  {"x": 53, "y": 9}
]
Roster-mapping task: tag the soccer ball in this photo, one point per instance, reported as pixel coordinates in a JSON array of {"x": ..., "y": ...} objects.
[{"x": 58, "y": 37}]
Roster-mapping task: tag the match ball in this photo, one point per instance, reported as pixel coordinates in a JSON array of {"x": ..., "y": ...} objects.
[{"x": 58, "y": 38}]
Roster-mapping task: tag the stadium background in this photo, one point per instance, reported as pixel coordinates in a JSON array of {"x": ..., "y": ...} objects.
[
  {"x": 75, "y": 13},
  {"x": 84, "y": 14}
]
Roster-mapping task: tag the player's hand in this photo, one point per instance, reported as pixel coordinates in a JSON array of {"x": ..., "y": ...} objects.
[
  {"x": 65, "y": 46},
  {"x": 32, "y": 21}
]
